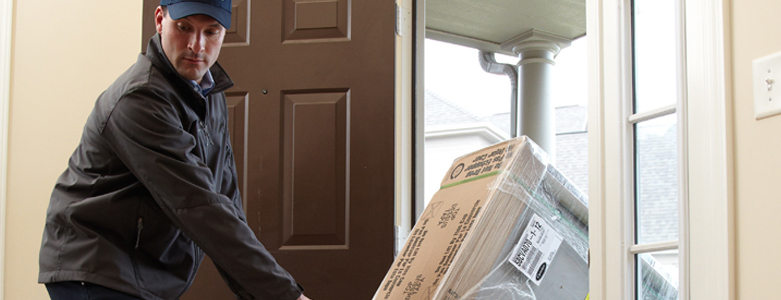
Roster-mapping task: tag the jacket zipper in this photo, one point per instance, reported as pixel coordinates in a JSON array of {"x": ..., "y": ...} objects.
[
  {"x": 139, "y": 227},
  {"x": 206, "y": 133}
]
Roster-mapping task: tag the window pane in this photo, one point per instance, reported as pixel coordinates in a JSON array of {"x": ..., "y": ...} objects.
[
  {"x": 462, "y": 103},
  {"x": 467, "y": 108},
  {"x": 657, "y": 180},
  {"x": 657, "y": 275},
  {"x": 654, "y": 39}
]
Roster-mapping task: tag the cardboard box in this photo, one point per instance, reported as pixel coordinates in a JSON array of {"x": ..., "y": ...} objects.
[{"x": 499, "y": 207}]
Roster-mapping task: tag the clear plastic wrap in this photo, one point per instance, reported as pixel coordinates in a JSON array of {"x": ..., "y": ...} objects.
[
  {"x": 656, "y": 283},
  {"x": 529, "y": 186},
  {"x": 491, "y": 196}
]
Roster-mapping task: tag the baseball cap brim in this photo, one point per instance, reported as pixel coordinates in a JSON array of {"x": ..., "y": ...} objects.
[{"x": 184, "y": 9}]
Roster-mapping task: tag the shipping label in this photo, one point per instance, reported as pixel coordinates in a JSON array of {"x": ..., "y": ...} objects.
[{"x": 536, "y": 248}]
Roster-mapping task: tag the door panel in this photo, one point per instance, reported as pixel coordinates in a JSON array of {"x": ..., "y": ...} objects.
[
  {"x": 237, "y": 125},
  {"x": 312, "y": 117},
  {"x": 314, "y": 174},
  {"x": 307, "y": 21}
]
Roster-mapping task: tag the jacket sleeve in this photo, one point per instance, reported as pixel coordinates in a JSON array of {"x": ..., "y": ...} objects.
[{"x": 145, "y": 131}]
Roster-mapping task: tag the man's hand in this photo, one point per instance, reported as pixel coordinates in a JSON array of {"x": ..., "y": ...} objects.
[{"x": 303, "y": 297}]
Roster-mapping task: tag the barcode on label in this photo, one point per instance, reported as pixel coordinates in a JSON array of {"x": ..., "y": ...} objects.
[
  {"x": 531, "y": 262},
  {"x": 528, "y": 256}
]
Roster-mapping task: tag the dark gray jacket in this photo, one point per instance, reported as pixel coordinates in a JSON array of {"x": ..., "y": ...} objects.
[{"x": 150, "y": 188}]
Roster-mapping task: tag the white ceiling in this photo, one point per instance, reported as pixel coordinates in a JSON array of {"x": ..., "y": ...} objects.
[{"x": 492, "y": 25}]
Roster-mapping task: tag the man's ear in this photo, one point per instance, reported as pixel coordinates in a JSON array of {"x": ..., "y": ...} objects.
[{"x": 159, "y": 16}]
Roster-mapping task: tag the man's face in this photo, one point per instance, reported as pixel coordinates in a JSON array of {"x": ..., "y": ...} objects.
[{"x": 192, "y": 43}]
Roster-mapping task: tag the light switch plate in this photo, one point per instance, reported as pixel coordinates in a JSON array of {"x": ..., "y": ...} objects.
[{"x": 767, "y": 85}]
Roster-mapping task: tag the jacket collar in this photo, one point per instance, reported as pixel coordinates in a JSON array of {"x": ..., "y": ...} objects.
[{"x": 154, "y": 52}]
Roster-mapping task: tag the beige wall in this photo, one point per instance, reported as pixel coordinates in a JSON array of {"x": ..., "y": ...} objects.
[
  {"x": 756, "y": 32},
  {"x": 64, "y": 54}
]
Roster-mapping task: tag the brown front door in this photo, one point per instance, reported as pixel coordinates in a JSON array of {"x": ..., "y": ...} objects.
[{"x": 312, "y": 117}]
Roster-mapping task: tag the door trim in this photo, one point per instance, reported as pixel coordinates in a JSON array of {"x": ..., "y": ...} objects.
[
  {"x": 405, "y": 126},
  {"x": 711, "y": 259},
  {"x": 6, "y": 26}
]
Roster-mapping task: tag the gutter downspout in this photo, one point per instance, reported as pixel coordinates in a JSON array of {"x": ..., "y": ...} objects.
[{"x": 489, "y": 64}]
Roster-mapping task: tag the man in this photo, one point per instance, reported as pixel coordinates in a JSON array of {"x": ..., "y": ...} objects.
[{"x": 152, "y": 185}]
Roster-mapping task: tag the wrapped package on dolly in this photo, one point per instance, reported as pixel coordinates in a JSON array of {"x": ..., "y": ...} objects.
[{"x": 505, "y": 224}]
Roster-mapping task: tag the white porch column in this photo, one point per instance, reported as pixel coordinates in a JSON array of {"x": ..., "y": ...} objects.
[{"x": 537, "y": 52}]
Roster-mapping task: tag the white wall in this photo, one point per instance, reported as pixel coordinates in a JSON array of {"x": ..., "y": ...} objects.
[{"x": 64, "y": 54}]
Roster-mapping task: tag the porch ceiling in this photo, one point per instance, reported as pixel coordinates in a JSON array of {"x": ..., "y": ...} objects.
[{"x": 495, "y": 25}]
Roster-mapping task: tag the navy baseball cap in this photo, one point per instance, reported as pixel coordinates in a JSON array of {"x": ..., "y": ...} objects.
[{"x": 220, "y": 10}]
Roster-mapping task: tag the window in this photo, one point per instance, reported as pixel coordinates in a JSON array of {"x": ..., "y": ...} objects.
[
  {"x": 656, "y": 95},
  {"x": 466, "y": 108},
  {"x": 630, "y": 115}
]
